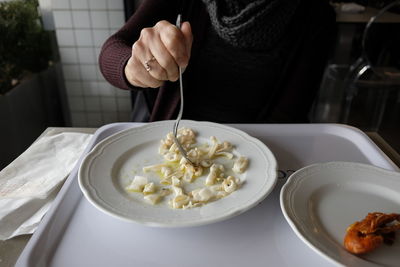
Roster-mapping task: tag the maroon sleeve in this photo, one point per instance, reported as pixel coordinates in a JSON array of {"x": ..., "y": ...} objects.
[{"x": 117, "y": 50}]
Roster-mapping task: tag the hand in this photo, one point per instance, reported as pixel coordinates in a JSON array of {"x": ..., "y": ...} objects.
[{"x": 158, "y": 53}]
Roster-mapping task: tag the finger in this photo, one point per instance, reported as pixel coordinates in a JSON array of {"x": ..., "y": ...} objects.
[
  {"x": 142, "y": 76},
  {"x": 129, "y": 73},
  {"x": 187, "y": 33},
  {"x": 145, "y": 57},
  {"x": 139, "y": 84},
  {"x": 174, "y": 41},
  {"x": 147, "y": 47},
  {"x": 164, "y": 59},
  {"x": 156, "y": 70}
]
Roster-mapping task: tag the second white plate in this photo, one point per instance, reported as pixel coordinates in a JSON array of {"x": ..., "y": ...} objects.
[
  {"x": 320, "y": 201},
  {"x": 113, "y": 162}
]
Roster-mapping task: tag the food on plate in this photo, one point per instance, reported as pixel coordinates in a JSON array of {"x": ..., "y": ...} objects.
[
  {"x": 366, "y": 235},
  {"x": 138, "y": 184},
  {"x": 215, "y": 174},
  {"x": 240, "y": 165}
]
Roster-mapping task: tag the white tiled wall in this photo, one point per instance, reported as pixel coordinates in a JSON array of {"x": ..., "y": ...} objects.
[{"x": 81, "y": 28}]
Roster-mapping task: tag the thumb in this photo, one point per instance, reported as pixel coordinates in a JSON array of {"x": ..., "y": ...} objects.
[{"x": 187, "y": 33}]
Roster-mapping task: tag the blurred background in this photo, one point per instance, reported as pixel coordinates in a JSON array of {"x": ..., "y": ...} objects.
[{"x": 49, "y": 75}]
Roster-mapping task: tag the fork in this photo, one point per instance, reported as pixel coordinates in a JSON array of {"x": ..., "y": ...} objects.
[{"x": 178, "y": 119}]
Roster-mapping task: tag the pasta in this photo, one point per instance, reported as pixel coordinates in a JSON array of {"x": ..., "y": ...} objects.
[
  {"x": 176, "y": 173},
  {"x": 240, "y": 165},
  {"x": 138, "y": 184}
]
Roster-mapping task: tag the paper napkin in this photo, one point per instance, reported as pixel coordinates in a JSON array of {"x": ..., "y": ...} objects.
[{"x": 30, "y": 183}]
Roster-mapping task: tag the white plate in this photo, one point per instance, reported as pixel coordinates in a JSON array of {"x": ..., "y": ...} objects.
[
  {"x": 109, "y": 167},
  {"x": 320, "y": 201}
]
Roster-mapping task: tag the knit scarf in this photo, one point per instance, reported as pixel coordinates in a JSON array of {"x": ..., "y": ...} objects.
[{"x": 253, "y": 25}]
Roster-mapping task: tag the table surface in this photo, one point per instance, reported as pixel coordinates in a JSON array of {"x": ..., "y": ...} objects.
[{"x": 12, "y": 248}]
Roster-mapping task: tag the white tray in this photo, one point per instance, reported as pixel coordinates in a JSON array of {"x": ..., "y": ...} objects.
[{"x": 74, "y": 233}]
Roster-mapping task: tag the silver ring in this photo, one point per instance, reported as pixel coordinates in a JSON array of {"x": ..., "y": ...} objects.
[{"x": 147, "y": 65}]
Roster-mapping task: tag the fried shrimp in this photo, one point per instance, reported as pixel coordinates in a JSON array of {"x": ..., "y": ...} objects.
[{"x": 366, "y": 235}]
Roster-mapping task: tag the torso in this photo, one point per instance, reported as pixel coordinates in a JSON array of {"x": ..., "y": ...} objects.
[{"x": 228, "y": 84}]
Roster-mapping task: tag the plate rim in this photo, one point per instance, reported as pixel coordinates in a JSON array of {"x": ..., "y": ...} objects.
[
  {"x": 293, "y": 181},
  {"x": 97, "y": 150}
]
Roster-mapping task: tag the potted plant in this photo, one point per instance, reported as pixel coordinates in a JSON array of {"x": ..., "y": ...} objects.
[
  {"x": 25, "y": 45},
  {"x": 28, "y": 82}
]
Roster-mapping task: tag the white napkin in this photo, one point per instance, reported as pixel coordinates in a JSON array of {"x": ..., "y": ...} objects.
[{"x": 30, "y": 183}]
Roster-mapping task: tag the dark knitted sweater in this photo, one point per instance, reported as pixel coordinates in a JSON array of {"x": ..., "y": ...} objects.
[
  {"x": 253, "y": 25},
  {"x": 289, "y": 79}
]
